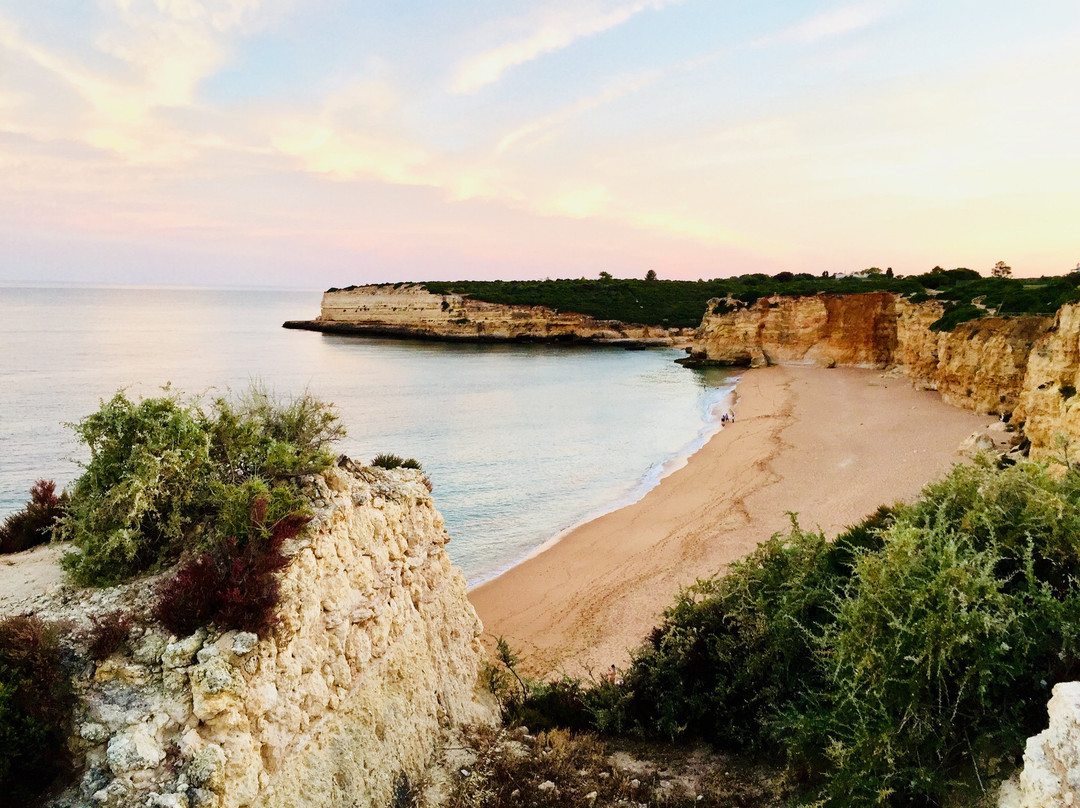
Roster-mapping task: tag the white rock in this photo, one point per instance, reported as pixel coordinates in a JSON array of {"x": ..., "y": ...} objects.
[
  {"x": 1051, "y": 773},
  {"x": 133, "y": 749},
  {"x": 244, "y": 643},
  {"x": 182, "y": 653},
  {"x": 93, "y": 732}
]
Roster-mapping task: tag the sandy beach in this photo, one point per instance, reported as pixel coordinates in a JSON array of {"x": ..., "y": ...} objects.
[{"x": 829, "y": 444}]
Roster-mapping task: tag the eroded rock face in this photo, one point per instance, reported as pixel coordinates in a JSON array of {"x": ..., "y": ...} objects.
[
  {"x": 828, "y": 330},
  {"x": 376, "y": 650},
  {"x": 411, "y": 310},
  {"x": 1049, "y": 406},
  {"x": 1051, "y": 773},
  {"x": 983, "y": 365}
]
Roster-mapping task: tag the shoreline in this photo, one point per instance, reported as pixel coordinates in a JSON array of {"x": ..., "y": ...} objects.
[
  {"x": 583, "y": 600},
  {"x": 654, "y": 475}
]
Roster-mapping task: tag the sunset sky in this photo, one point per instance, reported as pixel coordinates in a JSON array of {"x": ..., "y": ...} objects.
[{"x": 326, "y": 142}]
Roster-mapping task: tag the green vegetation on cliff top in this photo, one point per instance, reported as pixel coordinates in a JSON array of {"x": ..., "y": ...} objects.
[{"x": 682, "y": 303}]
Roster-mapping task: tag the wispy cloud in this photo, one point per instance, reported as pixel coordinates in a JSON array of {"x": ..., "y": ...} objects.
[
  {"x": 558, "y": 32},
  {"x": 614, "y": 92},
  {"x": 832, "y": 23}
]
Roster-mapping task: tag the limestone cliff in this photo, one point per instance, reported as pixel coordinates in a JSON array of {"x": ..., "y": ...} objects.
[
  {"x": 1049, "y": 407},
  {"x": 1051, "y": 773},
  {"x": 980, "y": 365},
  {"x": 412, "y": 311},
  {"x": 375, "y": 651},
  {"x": 858, "y": 330}
]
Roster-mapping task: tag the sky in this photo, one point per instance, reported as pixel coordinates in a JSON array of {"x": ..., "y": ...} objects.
[{"x": 327, "y": 142}]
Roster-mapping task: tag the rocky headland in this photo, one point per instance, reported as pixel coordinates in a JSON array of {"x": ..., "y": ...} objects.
[{"x": 410, "y": 311}]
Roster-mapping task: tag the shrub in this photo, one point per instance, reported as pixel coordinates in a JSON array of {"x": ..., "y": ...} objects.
[
  {"x": 35, "y": 699},
  {"x": 954, "y": 315},
  {"x": 236, "y": 585},
  {"x": 393, "y": 461},
  {"x": 933, "y": 668},
  {"x": 33, "y": 525},
  {"x": 108, "y": 633},
  {"x": 260, "y": 436},
  {"x": 165, "y": 476},
  {"x": 148, "y": 476},
  {"x": 902, "y": 663},
  {"x": 735, "y": 651},
  {"x": 387, "y": 461}
]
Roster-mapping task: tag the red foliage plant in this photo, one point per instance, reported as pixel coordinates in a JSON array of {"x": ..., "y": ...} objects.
[
  {"x": 234, "y": 588},
  {"x": 33, "y": 524},
  {"x": 109, "y": 632}
]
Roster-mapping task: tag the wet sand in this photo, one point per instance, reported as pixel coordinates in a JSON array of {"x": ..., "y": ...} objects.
[{"x": 829, "y": 444}]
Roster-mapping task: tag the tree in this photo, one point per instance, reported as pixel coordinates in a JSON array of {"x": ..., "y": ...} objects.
[
  {"x": 1001, "y": 270},
  {"x": 605, "y": 276},
  {"x": 650, "y": 275}
]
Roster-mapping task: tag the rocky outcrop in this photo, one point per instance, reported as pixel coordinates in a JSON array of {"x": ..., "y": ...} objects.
[
  {"x": 980, "y": 365},
  {"x": 375, "y": 651},
  {"x": 407, "y": 310},
  {"x": 1051, "y": 773},
  {"x": 1049, "y": 407},
  {"x": 853, "y": 330}
]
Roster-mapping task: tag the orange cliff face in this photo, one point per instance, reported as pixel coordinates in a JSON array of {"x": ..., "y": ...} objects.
[
  {"x": 980, "y": 365},
  {"x": 855, "y": 330},
  {"x": 412, "y": 311}
]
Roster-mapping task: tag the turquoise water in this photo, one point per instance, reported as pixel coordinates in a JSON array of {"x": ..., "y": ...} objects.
[{"x": 521, "y": 442}]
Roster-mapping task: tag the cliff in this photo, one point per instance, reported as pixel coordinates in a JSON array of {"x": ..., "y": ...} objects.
[
  {"x": 1051, "y": 773},
  {"x": 981, "y": 365},
  {"x": 413, "y": 312},
  {"x": 375, "y": 652},
  {"x": 1049, "y": 407}
]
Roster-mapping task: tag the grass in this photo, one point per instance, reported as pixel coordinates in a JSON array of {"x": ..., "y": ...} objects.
[{"x": 557, "y": 768}]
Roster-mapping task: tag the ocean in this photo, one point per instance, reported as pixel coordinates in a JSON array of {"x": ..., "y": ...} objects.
[{"x": 521, "y": 442}]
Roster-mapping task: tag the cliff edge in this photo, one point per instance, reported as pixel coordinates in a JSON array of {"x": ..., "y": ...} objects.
[
  {"x": 374, "y": 654},
  {"x": 411, "y": 311}
]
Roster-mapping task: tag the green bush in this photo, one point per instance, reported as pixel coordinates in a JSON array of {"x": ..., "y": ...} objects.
[
  {"x": 393, "y": 461},
  {"x": 954, "y": 315},
  {"x": 735, "y": 650},
  {"x": 902, "y": 663},
  {"x": 35, "y": 698},
  {"x": 148, "y": 477},
  {"x": 165, "y": 476}
]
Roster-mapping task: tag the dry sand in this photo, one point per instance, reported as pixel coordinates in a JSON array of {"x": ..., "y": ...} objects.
[{"x": 829, "y": 444}]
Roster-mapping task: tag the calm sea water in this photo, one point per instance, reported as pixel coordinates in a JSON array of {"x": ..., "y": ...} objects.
[{"x": 521, "y": 442}]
